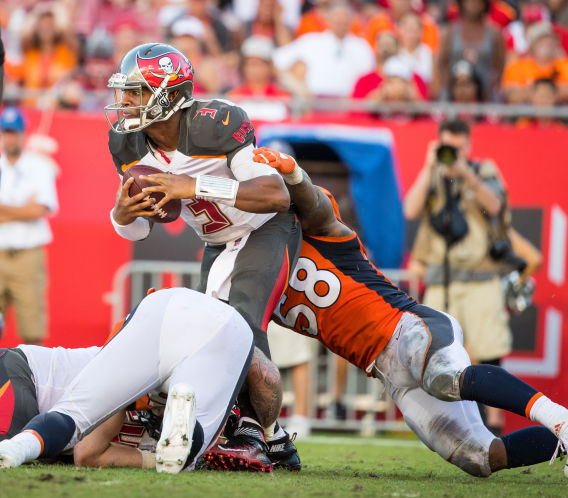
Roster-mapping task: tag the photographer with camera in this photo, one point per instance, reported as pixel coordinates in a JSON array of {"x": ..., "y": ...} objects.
[{"x": 462, "y": 243}]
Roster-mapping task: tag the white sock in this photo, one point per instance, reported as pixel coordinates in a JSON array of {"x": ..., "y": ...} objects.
[
  {"x": 269, "y": 431},
  {"x": 28, "y": 447},
  {"x": 552, "y": 415},
  {"x": 279, "y": 433}
]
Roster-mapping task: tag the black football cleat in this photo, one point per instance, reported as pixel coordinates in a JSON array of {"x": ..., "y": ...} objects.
[
  {"x": 245, "y": 450},
  {"x": 283, "y": 453}
]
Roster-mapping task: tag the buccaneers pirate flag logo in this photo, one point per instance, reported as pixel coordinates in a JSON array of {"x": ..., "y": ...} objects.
[{"x": 170, "y": 66}]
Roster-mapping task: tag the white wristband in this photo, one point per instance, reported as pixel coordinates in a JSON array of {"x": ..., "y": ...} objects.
[
  {"x": 297, "y": 176},
  {"x": 217, "y": 189},
  {"x": 139, "y": 229}
]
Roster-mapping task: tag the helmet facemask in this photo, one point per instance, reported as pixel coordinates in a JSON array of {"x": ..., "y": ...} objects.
[
  {"x": 160, "y": 69},
  {"x": 158, "y": 107}
]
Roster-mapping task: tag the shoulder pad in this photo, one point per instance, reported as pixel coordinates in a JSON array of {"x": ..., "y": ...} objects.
[
  {"x": 126, "y": 149},
  {"x": 219, "y": 125}
]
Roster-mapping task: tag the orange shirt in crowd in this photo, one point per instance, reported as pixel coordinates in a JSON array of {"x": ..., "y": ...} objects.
[
  {"x": 383, "y": 22},
  {"x": 524, "y": 72},
  {"x": 313, "y": 22},
  {"x": 39, "y": 70},
  {"x": 525, "y": 123}
]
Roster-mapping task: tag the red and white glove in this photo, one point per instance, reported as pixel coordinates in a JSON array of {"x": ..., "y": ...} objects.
[{"x": 285, "y": 164}]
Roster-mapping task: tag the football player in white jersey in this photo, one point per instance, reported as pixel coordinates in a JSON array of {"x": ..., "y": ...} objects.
[
  {"x": 33, "y": 379},
  {"x": 181, "y": 334},
  {"x": 240, "y": 210}
]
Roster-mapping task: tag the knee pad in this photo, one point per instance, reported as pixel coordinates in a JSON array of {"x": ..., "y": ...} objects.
[{"x": 442, "y": 385}]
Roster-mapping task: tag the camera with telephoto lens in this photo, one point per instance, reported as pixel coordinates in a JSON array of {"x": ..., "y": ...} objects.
[
  {"x": 502, "y": 251},
  {"x": 446, "y": 154}
]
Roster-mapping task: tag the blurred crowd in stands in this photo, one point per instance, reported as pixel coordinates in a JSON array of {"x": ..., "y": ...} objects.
[{"x": 62, "y": 52}]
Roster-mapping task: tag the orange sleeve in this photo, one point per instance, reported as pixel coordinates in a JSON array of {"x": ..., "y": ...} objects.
[
  {"x": 310, "y": 23},
  {"x": 357, "y": 27},
  {"x": 516, "y": 74},
  {"x": 562, "y": 71},
  {"x": 430, "y": 34}
]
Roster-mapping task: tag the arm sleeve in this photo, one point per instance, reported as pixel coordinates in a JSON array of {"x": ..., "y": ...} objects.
[
  {"x": 139, "y": 229},
  {"x": 244, "y": 168}
]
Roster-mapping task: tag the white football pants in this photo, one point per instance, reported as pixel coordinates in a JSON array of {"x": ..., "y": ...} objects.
[{"x": 174, "y": 335}]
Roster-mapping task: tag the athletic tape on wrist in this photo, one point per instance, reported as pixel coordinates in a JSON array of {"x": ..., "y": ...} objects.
[
  {"x": 217, "y": 189},
  {"x": 297, "y": 176}
]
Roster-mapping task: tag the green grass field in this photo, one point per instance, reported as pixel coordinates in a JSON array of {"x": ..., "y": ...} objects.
[{"x": 333, "y": 467}]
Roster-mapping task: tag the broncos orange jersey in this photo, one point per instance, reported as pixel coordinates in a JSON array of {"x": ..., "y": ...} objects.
[{"x": 338, "y": 296}]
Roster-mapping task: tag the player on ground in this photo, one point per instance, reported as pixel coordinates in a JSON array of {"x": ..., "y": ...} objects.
[
  {"x": 240, "y": 210},
  {"x": 338, "y": 296},
  {"x": 33, "y": 379},
  {"x": 179, "y": 333}
]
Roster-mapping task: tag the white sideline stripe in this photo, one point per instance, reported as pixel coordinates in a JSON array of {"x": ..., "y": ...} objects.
[
  {"x": 549, "y": 365},
  {"x": 557, "y": 246},
  {"x": 364, "y": 441}
]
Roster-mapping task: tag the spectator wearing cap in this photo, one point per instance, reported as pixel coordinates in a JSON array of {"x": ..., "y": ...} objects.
[
  {"x": 188, "y": 36},
  {"x": 370, "y": 85},
  {"x": 545, "y": 59},
  {"x": 398, "y": 83},
  {"x": 465, "y": 85},
  {"x": 475, "y": 40},
  {"x": 27, "y": 196},
  {"x": 259, "y": 95},
  {"x": 515, "y": 33},
  {"x": 327, "y": 63}
]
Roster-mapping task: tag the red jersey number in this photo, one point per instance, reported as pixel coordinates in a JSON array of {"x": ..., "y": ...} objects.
[{"x": 216, "y": 219}]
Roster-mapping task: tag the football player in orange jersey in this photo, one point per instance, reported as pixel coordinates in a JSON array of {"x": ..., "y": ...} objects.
[{"x": 338, "y": 296}]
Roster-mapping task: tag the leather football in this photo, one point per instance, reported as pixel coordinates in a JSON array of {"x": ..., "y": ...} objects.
[{"x": 170, "y": 211}]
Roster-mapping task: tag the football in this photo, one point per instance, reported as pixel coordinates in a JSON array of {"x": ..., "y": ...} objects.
[{"x": 169, "y": 211}]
